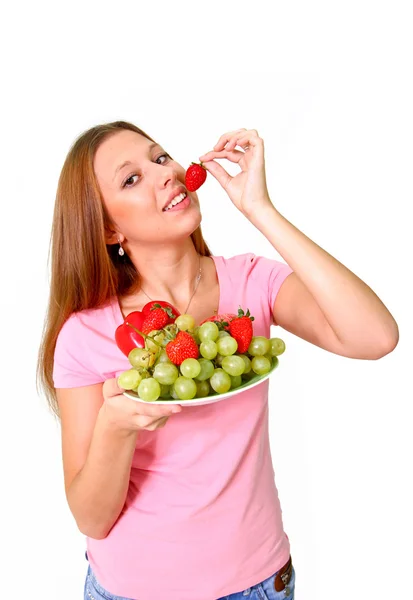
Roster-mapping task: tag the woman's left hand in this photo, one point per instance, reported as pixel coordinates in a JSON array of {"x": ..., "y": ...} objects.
[{"x": 247, "y": 190}]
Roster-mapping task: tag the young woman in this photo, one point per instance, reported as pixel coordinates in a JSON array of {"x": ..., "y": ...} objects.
[{"x": 179, "y": 502}]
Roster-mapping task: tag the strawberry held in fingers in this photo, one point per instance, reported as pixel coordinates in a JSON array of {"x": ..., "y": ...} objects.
[
  {"x": 195, "y": 176},
  {"x": 241, "y": 329}
]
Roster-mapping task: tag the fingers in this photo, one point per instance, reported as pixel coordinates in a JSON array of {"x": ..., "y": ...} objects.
[
  {"x": 241, "y": 137},
  {"x": 111, "y": 388},
  {"x": 219, "y": 173},
  {"x": 226, "y": 137},
  {"x": 225, "y": 148},
  {"x": 114, "y": 394},
  {"x": 235, "y": 156},
  {"x": 156, "y": 424},
  {"x": 246, "y": 141},
  {"x": 153, "y": 410},
  {"x": 149, "y": 423}
]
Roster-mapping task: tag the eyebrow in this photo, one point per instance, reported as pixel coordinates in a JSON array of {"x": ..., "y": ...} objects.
[{"x": 128, "y": 162}]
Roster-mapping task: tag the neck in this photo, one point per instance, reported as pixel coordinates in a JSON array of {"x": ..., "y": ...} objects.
[{"x": 167, "y": 272}]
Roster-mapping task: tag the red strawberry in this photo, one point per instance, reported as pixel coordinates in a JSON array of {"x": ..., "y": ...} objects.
[
  {"x": 222, "y": 320},
  {"x": 241, "y": 329},
  {"x": 195, "y": 176},
  {"x": 149, "y": 305},
  {"x": 182, "y": 347},
  {"x": 158, "y": 317}
]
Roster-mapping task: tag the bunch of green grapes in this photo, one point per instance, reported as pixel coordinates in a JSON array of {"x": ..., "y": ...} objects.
[{"x": 217, "y": 370}]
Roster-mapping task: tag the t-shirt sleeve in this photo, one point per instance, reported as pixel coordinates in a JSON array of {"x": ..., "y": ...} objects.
[
  {"x": 72, "y": 359},
  {"x": 270, "y": 275}
]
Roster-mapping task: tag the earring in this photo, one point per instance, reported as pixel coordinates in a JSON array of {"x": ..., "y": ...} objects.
[{"x": 121, "y": 251}]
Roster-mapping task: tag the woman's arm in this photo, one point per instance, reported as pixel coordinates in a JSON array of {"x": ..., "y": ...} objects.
[
  {"x": 323, "y": 301},
  {"x": 100, "y": 427},
  {"x": 97, "y": 459}
]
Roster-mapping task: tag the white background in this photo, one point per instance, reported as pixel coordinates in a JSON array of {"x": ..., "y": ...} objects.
[{"x": 329, "y": 87}]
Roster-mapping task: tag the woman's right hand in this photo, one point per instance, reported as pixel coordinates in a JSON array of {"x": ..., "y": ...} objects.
[{"x": 126, "y": 414}]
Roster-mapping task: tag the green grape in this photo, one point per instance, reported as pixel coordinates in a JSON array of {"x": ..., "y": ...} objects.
[
  {"x": 207, "y": 368},
  {"x": 259, "y": 346},
  {"x": 174, "y": 395},
  {"x": 202, "y": 389},
  {"x": 227, "y": 345},
  {"x": 236, "y": 381},
  {"x": 185, "y": 388},
  {"x": 260, "y": 365},
  {"x": 247, "y": 362},
  {"x": 165, "y": 392},
  {"x": 195, "y": 335},
  {"x": 140, "y": 357},
  {"x": 190, "y": 368},
  {"x": 218, "y": 360},
  {"x": 149, "y": 390},
  {"x": 208, "y": 349},
  {"x": 223, "y": 333},
  {"x": 144, "y": 374},
  {"x": 151, "y": 346},
  {"x": 185, "y": 322},
  {"x": 171, "y": 331},
  {"x": 158, "y": 336},
  {"x": 208, "y": 331},
  {"x": 165, "y": 341},
  {"x": 220, "y": 381},
  {"x": 129, "y": 379},
  {"x": 277, "y": 346},
  {"x": 163, "y": 358},
  {"x": 269, "y": 356},
  {"x": 233, "y": 365},
  {"x": 166, "y": 373}
]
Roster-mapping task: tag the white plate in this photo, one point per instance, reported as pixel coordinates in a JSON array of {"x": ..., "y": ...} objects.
[{"x": 256, "y": 380}]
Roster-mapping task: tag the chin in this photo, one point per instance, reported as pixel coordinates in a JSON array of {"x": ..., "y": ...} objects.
[{"x": 191, "y": 223}]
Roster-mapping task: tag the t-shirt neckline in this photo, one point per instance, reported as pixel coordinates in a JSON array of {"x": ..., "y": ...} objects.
[{"x": 119, "y": 318}]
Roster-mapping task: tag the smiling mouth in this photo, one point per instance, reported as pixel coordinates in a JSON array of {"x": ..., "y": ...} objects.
[{"x": 177, "y": 200}]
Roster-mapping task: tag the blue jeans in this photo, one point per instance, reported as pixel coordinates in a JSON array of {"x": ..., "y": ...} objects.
[{"x": 262, "y": 591}]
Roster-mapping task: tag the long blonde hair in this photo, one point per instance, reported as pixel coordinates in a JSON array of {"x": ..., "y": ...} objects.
[{"x": 85, "y": 271}]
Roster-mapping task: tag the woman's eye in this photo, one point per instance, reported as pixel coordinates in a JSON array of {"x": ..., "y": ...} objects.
[
  {"x": 129, "y": 181},
  {"x": 166, "y": 156}
]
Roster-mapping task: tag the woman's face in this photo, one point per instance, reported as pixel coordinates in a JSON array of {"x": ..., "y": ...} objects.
[{"x": 138, "y": 180}]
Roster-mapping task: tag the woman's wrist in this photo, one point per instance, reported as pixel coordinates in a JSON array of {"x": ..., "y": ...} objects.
[{"x": 112, "y": 428}]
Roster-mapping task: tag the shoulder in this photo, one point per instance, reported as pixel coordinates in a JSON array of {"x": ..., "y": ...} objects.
[
  {"x": 86, "y": 323},
  {"x": 233, "y": 266},
  {"x": 84, "y": 346},
  {"x": 249, "y": 265}
]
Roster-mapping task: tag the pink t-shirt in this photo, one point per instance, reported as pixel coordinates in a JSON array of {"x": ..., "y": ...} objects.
[{"x": 202, "y": 517}]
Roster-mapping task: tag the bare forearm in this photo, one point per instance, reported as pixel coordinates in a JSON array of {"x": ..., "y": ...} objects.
[
  {"x": 350, "y": 306},
  {"x": 97, "y": 494}
]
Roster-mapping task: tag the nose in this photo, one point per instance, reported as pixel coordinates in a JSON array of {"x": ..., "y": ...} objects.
[{"x": 166, "y": 175}]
